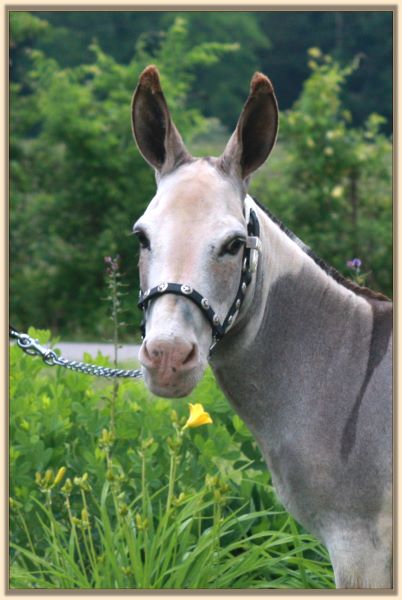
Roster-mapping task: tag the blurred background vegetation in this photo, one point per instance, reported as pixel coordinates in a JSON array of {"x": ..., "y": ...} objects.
[{"x": 78, "y": 183}]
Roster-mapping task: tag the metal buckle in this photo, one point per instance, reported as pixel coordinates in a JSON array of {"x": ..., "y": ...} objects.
[
  {"x": 253, "y": 242},
  {"x": 253, "y": 260}
]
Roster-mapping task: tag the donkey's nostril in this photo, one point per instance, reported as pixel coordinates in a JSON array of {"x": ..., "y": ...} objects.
[
  {"x": 192, "y": 356},
  {"x": 145, "y": 356},
  {"x": 173, "y": 356}
]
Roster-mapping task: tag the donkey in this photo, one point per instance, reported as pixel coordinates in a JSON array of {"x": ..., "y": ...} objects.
[{"x": 303, "y": 354}]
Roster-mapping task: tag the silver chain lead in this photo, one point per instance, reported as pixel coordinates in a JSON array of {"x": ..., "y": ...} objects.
[{"x": 50, "y": 358}]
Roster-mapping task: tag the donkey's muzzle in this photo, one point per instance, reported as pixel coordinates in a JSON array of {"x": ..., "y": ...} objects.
[{"x": 169, "y": 364}]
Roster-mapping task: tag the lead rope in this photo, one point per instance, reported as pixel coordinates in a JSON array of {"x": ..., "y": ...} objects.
[{"x": 33, "y": 348}]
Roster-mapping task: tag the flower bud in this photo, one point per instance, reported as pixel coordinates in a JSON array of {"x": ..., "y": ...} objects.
[
  {"x": 49, "y": 476},
  {"x": 60, "y": 475},
  {"x": 145, "y": 444},
  {"x": 217, "y": 495},
  {"x": 67, "y": 487},
  {"x": 140, "y": 522},
  {"x": 123, "y": 509}
]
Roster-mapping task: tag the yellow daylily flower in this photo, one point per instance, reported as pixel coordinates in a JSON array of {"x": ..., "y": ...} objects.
[{"x": 197, "y": 417}]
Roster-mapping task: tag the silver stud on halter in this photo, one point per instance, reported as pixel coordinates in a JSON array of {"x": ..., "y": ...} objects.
[
  {"x": 186, "y": 289},
  {"x": 205, "y": 304}
]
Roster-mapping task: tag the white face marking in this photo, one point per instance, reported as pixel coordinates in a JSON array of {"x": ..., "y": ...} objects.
[{"x": 194, "y": 213}]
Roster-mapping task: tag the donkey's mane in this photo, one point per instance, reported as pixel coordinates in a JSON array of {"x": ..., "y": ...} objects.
[{"x": 347, "y": 283}]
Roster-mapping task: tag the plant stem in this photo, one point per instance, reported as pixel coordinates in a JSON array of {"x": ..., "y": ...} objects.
[
  {"x": 92, "y": 549},
  {"x": 172, "y": 477},
  {"x": 74, "y": 530},
  {"x": 115, "y": 316},
  {"x": 24, "y": 525}
]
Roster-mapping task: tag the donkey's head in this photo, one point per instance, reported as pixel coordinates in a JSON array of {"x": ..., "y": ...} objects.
[{"x": 194, "y": 234}]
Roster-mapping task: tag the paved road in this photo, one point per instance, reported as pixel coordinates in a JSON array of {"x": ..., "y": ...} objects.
[{"x": 75, "y": 350}]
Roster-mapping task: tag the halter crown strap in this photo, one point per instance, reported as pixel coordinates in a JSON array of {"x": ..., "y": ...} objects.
[{"x": 249, "y": 266}]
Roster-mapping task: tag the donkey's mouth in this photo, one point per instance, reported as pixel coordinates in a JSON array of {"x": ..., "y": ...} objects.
[{"x": 175, "y": 387}]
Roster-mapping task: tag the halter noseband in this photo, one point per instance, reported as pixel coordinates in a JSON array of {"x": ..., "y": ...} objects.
[{"x": 249, "y": 266}]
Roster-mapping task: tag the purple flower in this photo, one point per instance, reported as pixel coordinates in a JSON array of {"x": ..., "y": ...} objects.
[{"x": 354, "y": 264}]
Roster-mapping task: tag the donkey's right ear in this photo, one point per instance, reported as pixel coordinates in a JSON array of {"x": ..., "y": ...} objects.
[{"x": 154, "y": 131}]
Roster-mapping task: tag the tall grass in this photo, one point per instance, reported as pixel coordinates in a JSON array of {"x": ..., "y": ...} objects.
[
  {"x": 150, "y": 502},
  {"x": 159, "y": 540}
]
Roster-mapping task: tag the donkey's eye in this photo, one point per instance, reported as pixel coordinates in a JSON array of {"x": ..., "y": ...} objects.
[
  {"x": 142, "y": 238},
  {"x": 233, "y": 246}
]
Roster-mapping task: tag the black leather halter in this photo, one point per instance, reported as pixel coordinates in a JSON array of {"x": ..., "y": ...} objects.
[{"x": 249, "y": 265}]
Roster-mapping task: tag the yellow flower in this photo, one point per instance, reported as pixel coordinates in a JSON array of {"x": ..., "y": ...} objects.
[{"x": 197, "y": 417}]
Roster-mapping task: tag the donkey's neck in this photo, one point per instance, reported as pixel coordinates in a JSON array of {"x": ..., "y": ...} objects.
[{"x": 299, "y": 331}]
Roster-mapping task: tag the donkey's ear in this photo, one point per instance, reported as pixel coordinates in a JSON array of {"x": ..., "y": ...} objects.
[
  {"x": 154, "y": 131},
  {"x": 255, "y": 133}
]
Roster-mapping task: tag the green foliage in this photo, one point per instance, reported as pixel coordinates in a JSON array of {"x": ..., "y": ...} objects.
[
  {"x": 334, "y": 185},
  {"x": 272, "y": 41},
  {"x": 150, "y": 505},
  {"x": 25, "y": 26},
  {"x": 78, "y": 181},
  {"x": 219, "y": 89},
  {"x": 343, "y": 35}
]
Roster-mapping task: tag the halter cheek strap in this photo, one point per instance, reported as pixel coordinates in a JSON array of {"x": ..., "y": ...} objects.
[{"x": 249, "y": 266}]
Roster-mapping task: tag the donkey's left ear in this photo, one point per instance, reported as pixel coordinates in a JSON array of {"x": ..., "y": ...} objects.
[
  {"x": 154, "y": 131},
  {"x": 256, "y": 130}
]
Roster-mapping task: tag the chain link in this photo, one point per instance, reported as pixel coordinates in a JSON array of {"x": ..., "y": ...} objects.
[{"x": 50, "y": 358}]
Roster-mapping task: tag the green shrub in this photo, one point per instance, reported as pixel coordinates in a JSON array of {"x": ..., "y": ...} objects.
[
  {"x": 143, "y": 503},
  {"x": 329, "y": 182},
  {"x": 78, "y": 182}
]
